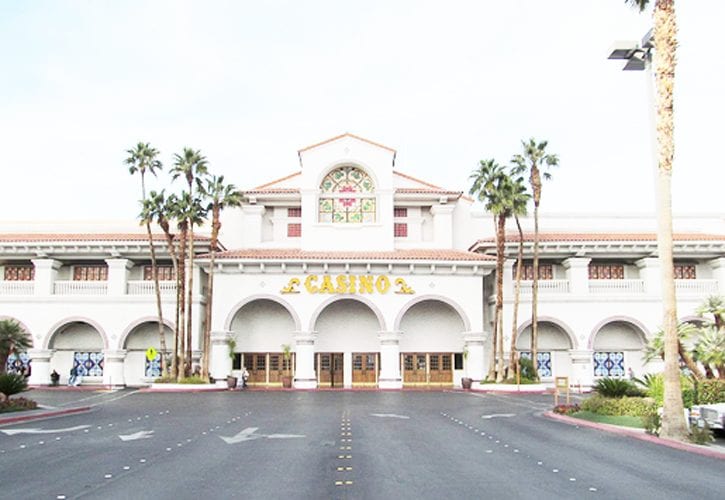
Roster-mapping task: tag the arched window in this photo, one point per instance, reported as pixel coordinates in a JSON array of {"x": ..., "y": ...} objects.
[{"x": 347, "y": 195}]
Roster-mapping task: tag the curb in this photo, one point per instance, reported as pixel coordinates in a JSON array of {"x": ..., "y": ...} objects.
[
  {"x": 623, "y": 431},
  {"x": 45, "y": 414}
]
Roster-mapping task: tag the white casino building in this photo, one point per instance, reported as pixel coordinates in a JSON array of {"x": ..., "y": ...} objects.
[{"x": 371, "y": 276}]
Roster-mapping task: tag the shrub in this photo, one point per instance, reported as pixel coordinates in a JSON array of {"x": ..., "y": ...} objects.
[
  {"x": 12, "y": 384},
  {"x": 194, "y": 379},
  {"x": 17, "y": 404},
  {"x": 710, "y": 391},
  {"x": 656, "y": 389},
  {"x": 565, "y": 409},
  {"x": 615, "y": 387},
  {"x": 652, "y": 421},
  {"x": 701, "y": 435},
  {"x": 634, "y": 407},
  {"x": 526, "y": 369}
]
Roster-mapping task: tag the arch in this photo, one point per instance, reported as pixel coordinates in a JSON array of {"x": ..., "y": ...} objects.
[
  {"x": 349, "y": 163},
  {"x": 440, "y": 298},
  {"x": 75, "y": 319},
  {"x": 376, "y": 311},
  {"x": 140, "y": 321},
  {"x": 554, "y": 321},
  {"x": 347, "y": 194},
  {"x": 643, "y": 333},
  {"x": 262, "y": 296},
  {"x": 23, "y": 326}
]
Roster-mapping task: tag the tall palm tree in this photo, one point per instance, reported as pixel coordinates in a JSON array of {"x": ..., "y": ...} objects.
[
  {"x": 665, "y": 45},
  {"x": 532, "y": 161},
  {"x": 655, "y": 349},
  {"x": 191, "y": 165},
  {"x": 710, "y": 350},
  {"x": 492, "y": 185},
  {"x": 142, "y": 159},
  {"x": 220, "y": 196},
  {"x": 13, "y": 339},
  {"x": 714, "y": 305},
  {"x": 519, "y": 201}
]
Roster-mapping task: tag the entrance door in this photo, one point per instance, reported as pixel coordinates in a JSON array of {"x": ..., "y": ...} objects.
[
  {"x": 441, "y": 371},
  {"x": 364, "y": 368},
  {"x": 414, "y": 369},
  {"x": 256, "y": 365},
  {"x": 329, "y": 369}
]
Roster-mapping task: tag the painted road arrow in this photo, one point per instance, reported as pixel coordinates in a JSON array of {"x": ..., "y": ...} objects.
[
  {"x": 248, "y": 434},
  {"x": 389, "y": 415},
  {"x": 136, "y": 435},
  {"x": 499, "y": 415},
  {"x": 11, "y": 432}
]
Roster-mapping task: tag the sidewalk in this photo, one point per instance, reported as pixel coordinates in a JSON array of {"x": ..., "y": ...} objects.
[
  {"x": 39, "y": 414},
  {"x": 640, "y": 434}
]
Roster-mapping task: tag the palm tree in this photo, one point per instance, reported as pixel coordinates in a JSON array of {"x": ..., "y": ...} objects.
[
  {"x": 532, "y": 161},
  {"x": 716, "y": 306},
  {"x": 221, "y": 196},
  {"x": 191, "y": 165},
  {"x": 665, "y": 45},
  {"x": 655, "y": 349},
  {"x": 520, "y": 199},
  {"x": 710, "y": 349},
  {"x": 142, "y": 159},
  {"x": 13, "y": 339}
]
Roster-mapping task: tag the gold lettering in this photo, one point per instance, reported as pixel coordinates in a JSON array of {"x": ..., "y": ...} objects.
[
  {"x": 341, "y": 284},
  {"x": 366, "y": 284},
  {"x": 327, "y": 286},
  {"x": 351, "y": 288},
  {"x": 308, "y": 283},
  {"x": 382, "y": 284},
  {"x": 403, "y": 287},
  {"x": 291, "y": 286}
]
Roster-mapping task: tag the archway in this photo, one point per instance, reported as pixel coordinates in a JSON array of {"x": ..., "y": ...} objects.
[
  {"x": 78, "y": 345},
  {"x": 618, "y": 349},
  {"x": 554, "y": 344},
  {"x": 137, "y": 368}
]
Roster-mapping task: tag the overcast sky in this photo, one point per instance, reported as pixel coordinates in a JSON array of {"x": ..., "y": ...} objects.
[{"x": 445, "y": 83}]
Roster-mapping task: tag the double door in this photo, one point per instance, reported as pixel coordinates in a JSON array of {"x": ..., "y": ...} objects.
[
  {"x": 427, "y": 368},
  {"x": 365, "y": 368},
  {"x": 328, "y": 366},
  {"x": 267, "y": 368}
]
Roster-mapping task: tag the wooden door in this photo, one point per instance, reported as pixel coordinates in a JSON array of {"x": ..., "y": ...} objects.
[
  {"x": 256, "y": 365},
  {"x": 415, "y": 368},
  {"x": 329, "y": 369},
  {"x": 337, "y": 373},
  {"x": 440, "y": 368},
  {"x": 364, "y": 368}
]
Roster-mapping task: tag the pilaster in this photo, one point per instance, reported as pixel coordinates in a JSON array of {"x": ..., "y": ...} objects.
[
  {"x": 577, "y": 273},
  {"x": 473, "y": 363},
  {"x": 649, "y": 272},
  {"x": 118, "y": 276},
  {"x": 221, "y": 362},
  {"x": 442, "y": 225},
  {"x": 46, "y": 272},
  {"x": 113, "y": 368},
  {"x": 390, "y": 377},
  {"x": 40, "y": 362},
  {"x": 305, "y": 376}
]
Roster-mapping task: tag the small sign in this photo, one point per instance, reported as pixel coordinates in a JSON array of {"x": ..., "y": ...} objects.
[
  {"x": 561, "y": 385},
  {"x": 151, "y": 353}
]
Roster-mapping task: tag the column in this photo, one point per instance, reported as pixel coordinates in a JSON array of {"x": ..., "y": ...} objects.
[
  {"x": 221, "y": 362},
  {"x": 40, "y": 366},
  {"x": 118, "y": 276},
  {"x": 508, "y": 278},
  {"x": 46, "y": 272},
  {"x": 582, "y": 368},
  {"x": 577, "y": 273},
  {"x": 718, "y": 273},
  {"x": 649, "y": 272},
  {"x": 473, "y": 347},
  {"x": 442, "y": 225},
  {"x": 253, "y": 224},
  {"x": 113, "y": 368},
  {"x": 305, "y": 376},
  {"x": 390, "y": 377}
]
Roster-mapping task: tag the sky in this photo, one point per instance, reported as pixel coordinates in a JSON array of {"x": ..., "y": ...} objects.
[{"x": 249, "y": 83}]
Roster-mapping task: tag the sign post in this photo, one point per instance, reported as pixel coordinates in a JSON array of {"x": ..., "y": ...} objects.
[{"x": 561, "y": 384}]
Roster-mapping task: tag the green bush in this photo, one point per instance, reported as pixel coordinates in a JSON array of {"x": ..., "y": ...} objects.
[
  {"x": 710, "y": 391},
  {"x": 616, "y": 388},
  {"x": 634, "y": 407},
  {"x": 652, "y": 421},
  {"x": 194, "y": 379},
  {"x": 701, "y": 435},
  {"x": 12, "y": 384},
  {"x": 526, "y": 369},
  {"x": 656, "y": 389}
]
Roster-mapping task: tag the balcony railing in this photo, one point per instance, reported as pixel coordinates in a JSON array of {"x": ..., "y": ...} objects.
[
  {"x": 545, "y": 286},
  {"x": 697, "y": 287},
  {"x": 80, "y": 288},
  {"x": 147, "y": 287},
  {"x": 616, "y": 286},
  {"x": 17, "y": 287}
]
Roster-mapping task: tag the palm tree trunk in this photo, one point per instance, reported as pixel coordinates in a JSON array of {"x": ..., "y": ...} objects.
[
  {"x": 494, "y": 334},
  {"x": 687, "y": 359},
  {"x": 170, "y": 245},
  {"x": 190, "y": 292},
  {"x": 517, "y": 292},
  {"x": 535, "y": 296},
  {"x": 665, "y": 32},
  {"x": 215, "y": 225},
  {"x": 157, "y": 290},
  {"x": 500, "y": 249},
  {"x": 181, "y": 300}
]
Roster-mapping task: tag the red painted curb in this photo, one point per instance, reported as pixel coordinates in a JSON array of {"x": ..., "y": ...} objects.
[
  {"x": 44, "y": 414},
  {"x": 623, "y": 431}
]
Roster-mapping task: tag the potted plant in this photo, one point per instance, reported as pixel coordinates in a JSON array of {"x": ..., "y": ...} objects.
[
  {"x": 287, "y": 356},
  {"x": 466, "y": 381},
  {"x": 231, "y": 379}
]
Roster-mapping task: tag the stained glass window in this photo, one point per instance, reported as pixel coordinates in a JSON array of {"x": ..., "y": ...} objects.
[{"x": 347, "y": 195}]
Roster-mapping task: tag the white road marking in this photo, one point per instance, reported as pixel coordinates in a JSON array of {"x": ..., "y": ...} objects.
[
  {"x": 389, "y": 415},
  {"x": 248, "y": 434},
  {"x": 136, "y": 435},
  {"x": 498, "y": 415},
  {"x": 12, "y": 432}
]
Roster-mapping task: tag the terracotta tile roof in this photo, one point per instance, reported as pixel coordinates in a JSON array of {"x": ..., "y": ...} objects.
[
  {"x": 605, "y": 237},
  {"x": 346, "y": 134},
  {"x": 402, "y": 255},
  {"x": 432, "y": 186},
  {"x": 82, "y": 237},
  {"x": 271, "y": 183},
  {"x": 427, "y": 191},
  {"x": 273, "y": 191}
]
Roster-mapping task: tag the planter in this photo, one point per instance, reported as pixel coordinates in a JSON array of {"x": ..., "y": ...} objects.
[
  {"x": 286, "y": 381},
  {"x": 466, "y": 382},
  {"x": 231, "y": 382}
]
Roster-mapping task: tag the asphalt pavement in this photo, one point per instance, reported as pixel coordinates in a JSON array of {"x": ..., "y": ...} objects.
[{"x": 348, "y": 444}]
